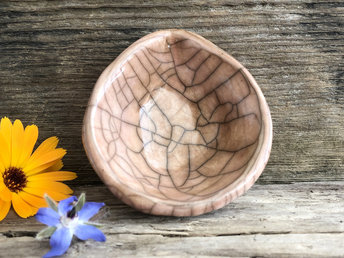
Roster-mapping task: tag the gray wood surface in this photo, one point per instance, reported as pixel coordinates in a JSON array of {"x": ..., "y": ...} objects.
[
  {"x": 301, "y": 219},
  {"x": 52, "y": 52}
]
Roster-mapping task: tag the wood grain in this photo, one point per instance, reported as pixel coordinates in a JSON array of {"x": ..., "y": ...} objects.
[
  {"x": 53, "y": 52},
  {"x": 294, "y": 220}
]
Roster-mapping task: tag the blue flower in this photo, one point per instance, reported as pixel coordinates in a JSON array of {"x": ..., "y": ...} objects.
[{"x": 70, "y": 217}]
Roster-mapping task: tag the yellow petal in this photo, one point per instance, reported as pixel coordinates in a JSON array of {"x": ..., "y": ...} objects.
[
  {"x": 17, "y": 140},
  {"x": 6, "y": 130},
  {"x": 4, "y": 208},
  {"x": 5, "y": 154},
  {"x": 23, "y": 209},
  {"x": 39, "y": 169},
  {"x": 57, "y": 196},
  {"x": 55, "y": 186},
  {"x": 44, "y": 159},
  {"x": 33, "y": 200},
  {"x": 46, "y": 146},
  {"x": 55, "y": 167},
  {"x": 5, "y": 142},
  {"x": 34, "y": 211},
  {"x": 53, "y": 176},
  {"x": 5, "y": 193},
  {"x": 29, "y": 140}
]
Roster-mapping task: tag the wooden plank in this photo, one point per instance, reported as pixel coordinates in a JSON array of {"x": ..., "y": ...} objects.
[
  {"x": 302, "y": 219},
  {"x": 53, "y": 52},
  {"x": 124, "y": 245}
]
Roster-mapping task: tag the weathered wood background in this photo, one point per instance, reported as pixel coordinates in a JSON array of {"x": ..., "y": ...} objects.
[{"x": 52, "y": 52}]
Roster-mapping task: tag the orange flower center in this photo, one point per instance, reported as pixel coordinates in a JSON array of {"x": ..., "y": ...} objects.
[{"x": 15, "y": 179}]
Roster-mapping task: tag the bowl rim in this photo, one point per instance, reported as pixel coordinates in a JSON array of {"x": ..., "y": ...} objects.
[{"x": 255, "y": 166}]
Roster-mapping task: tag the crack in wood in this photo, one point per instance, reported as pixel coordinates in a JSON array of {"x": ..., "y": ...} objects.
[{"x": 14, "y": 234}]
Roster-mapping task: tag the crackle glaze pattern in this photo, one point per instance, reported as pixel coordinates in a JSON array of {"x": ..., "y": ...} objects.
[{"x": 175, "y": 126}]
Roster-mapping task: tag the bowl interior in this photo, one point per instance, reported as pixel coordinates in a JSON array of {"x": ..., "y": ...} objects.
[{"x": 176, "y": 120}]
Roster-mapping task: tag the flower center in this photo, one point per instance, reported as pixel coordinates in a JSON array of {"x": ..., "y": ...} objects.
[
  {"x": 72, "y": 213},
  {"x": 70, "y": 223},
  {"x": 15, "y": 179}
]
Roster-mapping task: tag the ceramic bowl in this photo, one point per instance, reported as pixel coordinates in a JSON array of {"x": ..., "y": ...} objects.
[{"x": 176, "y": 126}]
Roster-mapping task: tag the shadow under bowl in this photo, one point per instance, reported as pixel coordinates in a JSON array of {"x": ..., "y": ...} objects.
[{"x": 175, "y": 126}]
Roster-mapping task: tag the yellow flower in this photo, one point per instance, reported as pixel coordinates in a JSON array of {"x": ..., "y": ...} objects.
[{"x": 25, "y": 176}]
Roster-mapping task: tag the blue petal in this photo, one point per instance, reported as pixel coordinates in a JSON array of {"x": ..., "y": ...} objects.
[
  {"x": 48, "y": 216},
  {"x": 85, "y": 232},
  {"x": 59, "y": 242},
  {"x": 65, "y": 205},
  {"x": 89, "y": 210}
]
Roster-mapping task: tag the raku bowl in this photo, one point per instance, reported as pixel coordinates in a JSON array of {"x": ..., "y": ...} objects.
[{"x": 176, "y": 126}]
